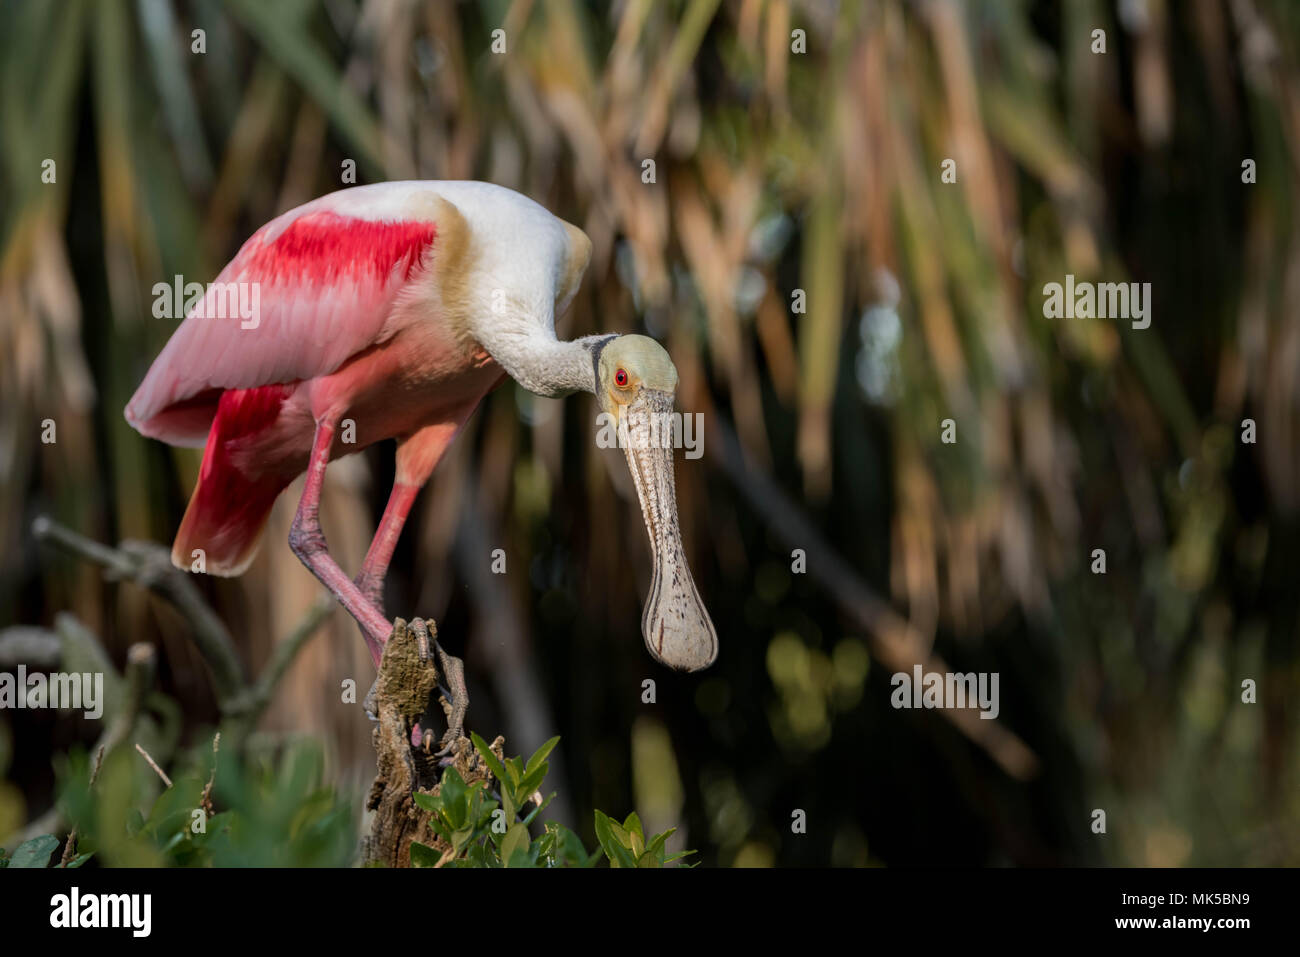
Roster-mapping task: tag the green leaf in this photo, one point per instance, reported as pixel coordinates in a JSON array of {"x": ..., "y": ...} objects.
[
  {"x": 175, "y": 840},
  {"x": 540, "y": 754},
  {"x": 474, "y": 812},
  {"x": 516, "y": 839},
  {"x": 633, "y": 825},
  {"x": 480, "y": 855},
  {"x": 526, "y": 856},
  {"x": 134, "y": 821},
  {"x": 483, "y": 819},
  {"x": 461, "y": 838},
  {"x": 78, "y": 860},
  {"x": 620, "y": 833},
  {"x": 428, "y": 802},
  {"x": 514, "y": 772},
  {"x": 453, "y": 787},
  {"x": 606, "y": 833},
  {"x": 531, "y": 783},
  {"x": 422, "y": 855},
  {"x": 440, "y": 826},
  {"x": 622, "y": 857},
  {"x": 455, "y": 804},
  {"x": 603, "y": 834},
  {"x": 635, "y": 834},
  {"x": 655, "y": 849},
  {"x": 568, "y": 847},
  {"x": 34, "y": 853}
]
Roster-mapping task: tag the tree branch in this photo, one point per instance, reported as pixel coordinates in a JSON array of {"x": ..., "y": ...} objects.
[{"x": 149, "y": 564}]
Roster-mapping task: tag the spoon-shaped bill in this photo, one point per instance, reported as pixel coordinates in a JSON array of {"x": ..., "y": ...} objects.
[{"x": 675, "y": 624}]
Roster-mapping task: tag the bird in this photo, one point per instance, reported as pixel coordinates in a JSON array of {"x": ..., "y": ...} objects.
[{"x": 389, "y": 311}]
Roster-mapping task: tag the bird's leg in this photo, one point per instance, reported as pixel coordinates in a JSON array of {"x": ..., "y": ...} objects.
[
  {"x": 308, "y": 543},
  {"x": 370, "y": 580},
  {"x": 417, "y": 456}
]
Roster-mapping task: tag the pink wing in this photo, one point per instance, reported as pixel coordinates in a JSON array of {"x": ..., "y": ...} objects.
[{"x": 322, "y": 287}]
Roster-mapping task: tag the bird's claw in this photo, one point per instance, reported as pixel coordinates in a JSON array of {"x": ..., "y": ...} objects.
[
  {"x": 447, "y": 751},
  {"x": 450, "y": 749}
]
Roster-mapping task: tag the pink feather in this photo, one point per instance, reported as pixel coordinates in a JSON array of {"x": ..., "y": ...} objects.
[{"x": 326, "y": 284}]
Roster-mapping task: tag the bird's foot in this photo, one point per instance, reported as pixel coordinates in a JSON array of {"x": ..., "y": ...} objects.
[
  {"x": 454, "y": 697},
  {"x": 454, "y": 700}
]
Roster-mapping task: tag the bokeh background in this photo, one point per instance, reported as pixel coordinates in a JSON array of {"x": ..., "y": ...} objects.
[{"x": 774, "y": 171}]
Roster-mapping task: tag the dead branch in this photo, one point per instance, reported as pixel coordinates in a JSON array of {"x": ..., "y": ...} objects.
[
  {"x": 153, "y": 764},
  {"x": 205, "y": 801},
  {"x": 408, "y": 678},
  {"x": 149, "y": 564},
  {"x": 28, "y": 645},
  {"x": 70, "y": 847}
]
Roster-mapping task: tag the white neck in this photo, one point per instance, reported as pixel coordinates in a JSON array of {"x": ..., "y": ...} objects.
[{"x": 547, "y": 367}]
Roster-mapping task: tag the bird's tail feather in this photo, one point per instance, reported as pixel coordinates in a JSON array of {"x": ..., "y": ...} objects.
[
  {"x": 223, "y": 524},
  {"x": 229, "y": 508}
]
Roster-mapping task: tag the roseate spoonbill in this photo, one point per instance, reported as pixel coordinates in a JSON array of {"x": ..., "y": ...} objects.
[{"x": 389, "y": 311}]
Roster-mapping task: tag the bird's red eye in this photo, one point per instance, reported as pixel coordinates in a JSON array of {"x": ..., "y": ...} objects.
[{"x": 620, "y": 378}]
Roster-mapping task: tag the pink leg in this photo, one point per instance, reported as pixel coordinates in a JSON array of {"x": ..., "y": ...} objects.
[
  {"x": 308, "y": 543},
  {"x": 371, "y": 577},
  {"x": 417, "y": 456}
]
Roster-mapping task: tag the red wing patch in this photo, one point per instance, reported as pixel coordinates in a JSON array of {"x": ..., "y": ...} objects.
[{"x": 322, "y": 247}]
